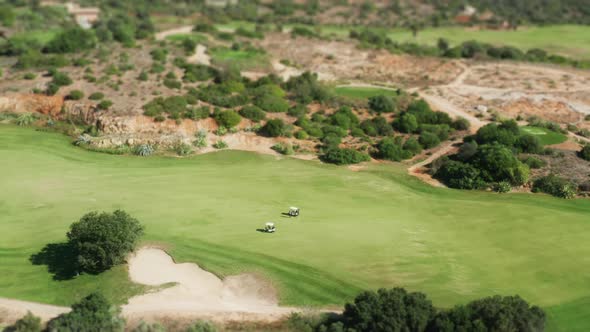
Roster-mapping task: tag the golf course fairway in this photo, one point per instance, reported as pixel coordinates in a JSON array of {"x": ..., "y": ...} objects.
[{"x": 358, "y": 230}]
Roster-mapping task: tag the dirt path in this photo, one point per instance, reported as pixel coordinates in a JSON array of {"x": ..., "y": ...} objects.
[
  {"x": 200, "y": 57},
  {"x": 11, "y": 310},
  {"x": 176, "y": 31}
]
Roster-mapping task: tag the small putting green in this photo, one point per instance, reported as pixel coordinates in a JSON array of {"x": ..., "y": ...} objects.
[
  {"x": 357, "y": 230},
  {"x": 358, "y": 92},
  {"x": 241, "y": 59},
  {"x": 196, "y": 37},
  {"x": 546, "y": 136}
]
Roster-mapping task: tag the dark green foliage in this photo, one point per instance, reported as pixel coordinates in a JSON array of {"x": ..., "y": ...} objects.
[
  {"x": 174, "y": 106},
  {"x": 533, "y": 162},
  {"x": 96, "y": 96},
  {"x": 406, "y": 123},
  {"x": 159, "y": 55},
  {"x": 301, "y": 134},
  {"x": 506, "y": 133},
  {"x": 103, "y": 240},
  {"x": 172, "y": 83},
  {"x": 382, "y": 104},
  {"x": 339, "y": 156},
  {"x": 189, "y": 45},
  {"x": 529, "y": 144},
  {"x": 429, "y": 140},
  {"x": 312, "y": 128},
  {"x": 344, "y": 118},
  {"x": 104, "y": 104},
  {"x": 29, "y": 76},
  {"x": 441, "y": 131},
  {"x": 75, "y": 95},
  {"x": 413, "y": 146},
  {"x": 72, "y": 40},
  {"x": 497, "y": 313},
  {"x": 92, "y": 313},
  {"x": 29, "y": 323},
  {"x": 59, "y": 79},
  {"x": 143, "y": 76},
  {"x": 7, "y": 15},
  {"x": 377, "y": 126},
  {"x": 227, "y": 119},
  {"x": 585, "y": 153},
  {"x": 297, "y": 111},
  {"x": 306, "y": 88},
  {"x": 197, "y": 113},
  {"x": 388, "y": 310},
  {"x": 272, "y": 104},
  {"x": 253, "y": 113},
  {"x": 459, "y": 175},
  {"x": 498, "y": 163},
  {"x": 556, "y": 186},
  {"x": 467, "y": 150},
  {"x": 198, "y": 73},
  {"x": 461, "y": 124},
  {"x": 204, "y": 27},
  {"x": 274, "y": 128},
  {"x": 392, "y": 149},
  {"x": 283, "y": 148}
]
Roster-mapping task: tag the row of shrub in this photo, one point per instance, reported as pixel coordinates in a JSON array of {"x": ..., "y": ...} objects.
[{"x": 468, "y": 49}]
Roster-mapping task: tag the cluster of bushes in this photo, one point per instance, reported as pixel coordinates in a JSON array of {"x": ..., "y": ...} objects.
[
  {"x": 555, "y": 186},
  {"x": 124, "y": 27},
  {"x": 585, "y": 152},
  {"x": 343, "y": 156},
  {"x": 396, "y": 149},
  {"x": 489, "y": 157},
  {"x": 398, "y": 310},
  {"x": 58, "y": 80}
]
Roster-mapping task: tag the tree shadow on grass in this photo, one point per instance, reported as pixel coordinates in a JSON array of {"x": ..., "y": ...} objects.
[{"x": 60, "y": 259}]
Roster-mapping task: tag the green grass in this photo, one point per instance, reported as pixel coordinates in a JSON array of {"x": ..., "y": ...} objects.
[
  {"x": 197, "y": 37},
  {"x": 41, "y": 36},
  {"x": 361, "y": 92},
  {"x": 568, "y": 40},
  {"x": 546, "y": 136},
  {"x": 241, "y": 59},
  {"x": 357, "y": 230}
]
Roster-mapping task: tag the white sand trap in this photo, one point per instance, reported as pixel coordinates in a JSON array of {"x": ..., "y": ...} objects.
[{"x": 198, "y": 292}]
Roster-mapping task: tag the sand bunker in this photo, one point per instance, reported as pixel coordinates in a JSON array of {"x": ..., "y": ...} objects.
[{"x": 198, "y": 292}]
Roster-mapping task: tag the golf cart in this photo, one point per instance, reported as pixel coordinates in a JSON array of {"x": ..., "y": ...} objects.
[
  {"x": 270, "y": 227},
  {"x": 293, "y": 211}
]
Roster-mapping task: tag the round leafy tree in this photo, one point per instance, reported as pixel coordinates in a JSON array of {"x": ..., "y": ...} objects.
[{"x": 102, "y": 240}]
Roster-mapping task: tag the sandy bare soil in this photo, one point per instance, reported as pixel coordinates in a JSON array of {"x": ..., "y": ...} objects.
[
  {"x": 198, "y": 292},
  {"x": 195, "y": 293}
]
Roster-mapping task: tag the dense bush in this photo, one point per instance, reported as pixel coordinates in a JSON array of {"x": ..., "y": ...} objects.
[
  {"x": 201, "y": 326},
  {"x": 174, "y": 106},
  {"x": 283, "y": 148},
  {"x": 498, "y": 163},
  {"x": 306, "y": 88},
  {"x": 406, "y": 123},
  {"x": 96, "y": 96},
  {"x": 92, "y": 313},
  {"x": 533, "y": 162},
  {"x": 28, "y": 323},
  {"x": 272, "y": 103},
  {"x": 75, "y": 95},
  {"x": 274, "y": 128},
  {"x": 198, "y": 73},
  {"x": 344, "y": 118},
  {"x": 104, "y": 105},
  {"x": 529, "y": 144},
  {"x": 388, "y": 310},
  {"x": 103, "y": 240},
  {"x": 585, "y": 152},
  {"x": 340, "y": 156},
  {"x": 497, "y": 313},
  {"x": 377, "y": 126},
  {"x": 227, "y": 119},
  {"x": 72, "y": 40},
  {"x": 197, "y": 113},
  {"x": 392, "y": 149},
  {"x": 459, "y": 175},
  {"x": 429, "y": 140},
  {"x": 382, "y": 104},
  {"x": 556, "y": 186},
  {"x": 253, "y": 113}
]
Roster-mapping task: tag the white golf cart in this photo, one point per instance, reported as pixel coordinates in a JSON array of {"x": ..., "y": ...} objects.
[
  {"x": 293, "y": 211},
  {"x": 270, "y": 227}
]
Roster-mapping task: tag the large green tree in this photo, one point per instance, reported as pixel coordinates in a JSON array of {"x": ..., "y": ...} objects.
[{"x": 102, "y": 240}]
